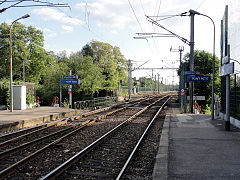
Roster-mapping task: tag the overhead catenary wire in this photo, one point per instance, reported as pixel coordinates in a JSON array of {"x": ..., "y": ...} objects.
[
  {"x": 17, "y": 2},
  {"x": 135, "y": 15},
  {"x": 159, "y": 7},
  {"x": 164, "y": 17},
  {"x": 140, "y": 24},
  {"x": 1, "y": 2},
  {"x": 157, "y": 24},
  {"x": 174, "y": 34},
  {"x": 158, "y": 11},
  {"x": 142, "y": 7},
  {"x": 200, "y": 5}
]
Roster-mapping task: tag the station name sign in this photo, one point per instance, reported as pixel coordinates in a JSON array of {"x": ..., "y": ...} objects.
[
  {"x": 70, "y": 81},
  {"x": 193, "y": 78}
]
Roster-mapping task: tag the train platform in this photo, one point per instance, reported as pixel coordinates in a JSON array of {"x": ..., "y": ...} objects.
[
  {"x": 33, "y": 116},
  {"x": 193, "y": 146}
]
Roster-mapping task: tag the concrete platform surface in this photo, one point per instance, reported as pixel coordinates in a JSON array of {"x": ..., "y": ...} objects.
[
  {"x": 197, "y": 148},
  {"x": 29, "y": 117}
]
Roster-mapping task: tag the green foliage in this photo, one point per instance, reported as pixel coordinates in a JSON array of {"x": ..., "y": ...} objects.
[
  {"x": 99, "y": 65},
  {"x": 110, "y": 60},
  {"x": 30, "y": 99},
  {"x": 203, "y": 63},
  {"x": 94, "y": 73},
  {"x": 5, "y": 92},
  {"x": 27, "y": 44}
]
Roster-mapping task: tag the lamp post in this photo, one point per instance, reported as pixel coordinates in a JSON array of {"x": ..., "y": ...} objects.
[
  {"x": 24, "y": 69},
  {"x": 11, "y": 79},
  {"x": 213, "y": 66},
  {"x": 60, "y": 103}
]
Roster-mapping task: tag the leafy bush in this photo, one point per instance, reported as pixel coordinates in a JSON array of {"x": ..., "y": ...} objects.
[
  {"x": 30, "y": 99},
  {"x": 4, "y": 93}
]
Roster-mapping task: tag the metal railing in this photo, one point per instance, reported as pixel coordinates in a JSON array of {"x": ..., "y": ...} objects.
[{"x": 100, "y": 101}]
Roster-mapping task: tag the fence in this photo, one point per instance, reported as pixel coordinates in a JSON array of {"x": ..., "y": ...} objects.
[
  {"x": 234, "y": 96},
  {"x": 94, "y": 102}
]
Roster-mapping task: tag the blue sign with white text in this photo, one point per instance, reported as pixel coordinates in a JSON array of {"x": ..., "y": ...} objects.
[
  {"x": 70, "y": 81},
  {"x": 70, "y": 77},
  {"x": 193, "y": 78},
  {"x": 192, "y": 72}
]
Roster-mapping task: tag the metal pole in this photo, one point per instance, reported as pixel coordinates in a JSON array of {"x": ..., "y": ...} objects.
[
  {"x": 152, "y": 81},
  {"x": 145, "y": 83},
  {"x": 185, "y": 85},
  {"x": 23, "y": 71},
  {"x": 192, "y": 13},
  {"x": 181, "y": 49},
  {"x": 24, "y": 74},
  {"x": 227, "y": 121},
  {"x": 213, "y": 69},
  {"x": 213, "y": 63},
  {"x": 11, "y": 79},
  {"x": 155, "y": 83},
  {"x": 129, "y": 78},
  {"x": 166, "y": 84},
  {"x": 162, "y": 85},
  {"x": 158, "y": 85},
  {"x": 60, "y": 84},
  {"x": 60, "y": 103},
  {"x": 70, "y": 94}
]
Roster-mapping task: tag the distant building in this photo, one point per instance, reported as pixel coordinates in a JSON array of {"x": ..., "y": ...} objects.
[{"x": 230, "y": 44}]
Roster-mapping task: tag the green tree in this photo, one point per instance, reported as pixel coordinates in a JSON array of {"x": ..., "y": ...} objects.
[
  {"x": 110, "y": 60},
  {"x": 203, "y": 63},
  {"x": 89, "y": 74},
  {"x": 27, "y": 44}
]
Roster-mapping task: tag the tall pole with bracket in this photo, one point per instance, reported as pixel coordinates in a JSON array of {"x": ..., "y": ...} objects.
[
  {"x": 10, "y": 45},
  {"x": 129, "y": 78},
  {"x": 181, "y": 83},
  {"x": 192, "y": 14}
]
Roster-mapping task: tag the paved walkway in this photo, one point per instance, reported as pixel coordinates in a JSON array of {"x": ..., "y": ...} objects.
[{"x": 198, "y": 148}]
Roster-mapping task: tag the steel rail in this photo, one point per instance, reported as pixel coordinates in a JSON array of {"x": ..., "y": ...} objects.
[
  {"x": 8, "y": 135},
  {"x": 49, "y": 125},
  {"x": 11, "y": 169},
  {"x": 5, "y": 143},
  {"x": 60, "y": 169},
  {"x": 140, "y": 140},
  {"x": 107, "y": 108},
  {"x": 25, "y": 145}
]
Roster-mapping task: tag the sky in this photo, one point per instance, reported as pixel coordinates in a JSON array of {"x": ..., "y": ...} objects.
[{"x": 117, "y": 22}]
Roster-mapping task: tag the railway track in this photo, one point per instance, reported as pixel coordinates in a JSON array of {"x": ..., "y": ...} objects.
[
  {"x": 10, "y": 162},
  {"x": 27, "y": 131},
  {"x": 22, "y": 136},
  {"x": 108, "y": 157}
]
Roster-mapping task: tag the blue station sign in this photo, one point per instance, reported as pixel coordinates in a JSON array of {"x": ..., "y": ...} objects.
[
  {"x": 70, "y": 77},
  {"x": 70, "y": 81},
  {"x": 193, "y": 78},
  {"x": 192, "y": 72}
]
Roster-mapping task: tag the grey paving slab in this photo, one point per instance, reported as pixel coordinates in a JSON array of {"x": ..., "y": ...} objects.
[{"x": 201, "y": 149}]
